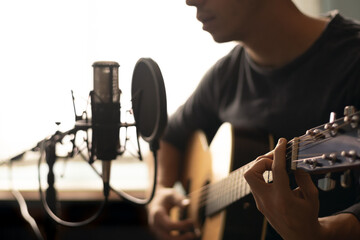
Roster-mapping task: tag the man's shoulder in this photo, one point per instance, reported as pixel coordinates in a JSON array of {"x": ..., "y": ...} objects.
[
  {"x": 340, "y": 43},
  {"x": 342, "y": 25}
]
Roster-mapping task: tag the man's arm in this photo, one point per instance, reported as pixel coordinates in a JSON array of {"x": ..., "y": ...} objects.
[
  {"x": 340, "y": 226},
  {"x": 169, "y": 164},
  {"x": 294, "y": 213},
  {"x": 169, "y": 160}
]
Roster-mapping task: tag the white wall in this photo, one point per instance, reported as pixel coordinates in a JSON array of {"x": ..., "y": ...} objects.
[
  {"x": 47, "y": 49},
  {"x": 311, "y": 7},
  {"x": 348, "y": 8}
]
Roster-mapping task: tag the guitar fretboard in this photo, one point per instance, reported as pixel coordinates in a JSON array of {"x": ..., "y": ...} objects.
[{"x": 227, "y": 191}]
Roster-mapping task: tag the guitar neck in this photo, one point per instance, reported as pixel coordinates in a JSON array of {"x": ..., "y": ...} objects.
[
  {"x": 221, "y": 194},
  {"x": 330, "y": 147}
]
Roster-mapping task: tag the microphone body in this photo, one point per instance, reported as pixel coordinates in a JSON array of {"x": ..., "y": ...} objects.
[{"x": 105, "y": 108}]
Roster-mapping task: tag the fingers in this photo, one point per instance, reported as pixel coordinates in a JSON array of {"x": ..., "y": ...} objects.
[
  {"x": 267, "y": 155},
  {"x": 255, "y": 179},
  {"x": 164, "y": 221},
  {"x": 169, "y": 236},
  {"x": 306, "y": 185},
  {"x": 160, "y": 221},
  {"x": 280, "y": 175},
  {"x": 165, "y": 227},
  {"x": 170, "y": 198},
  {"x": 254, "y": 176},
  {"x": 279, "y": 154}
]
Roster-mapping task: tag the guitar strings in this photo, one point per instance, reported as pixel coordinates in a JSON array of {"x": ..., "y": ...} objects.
[
  {"x": 207, "y": 194},
  {"x": 318, "y": 135},
  {"x": 211, "y": 192},
  {"x": 308, "y": 141},
  {"x": 222, "y": 191}
]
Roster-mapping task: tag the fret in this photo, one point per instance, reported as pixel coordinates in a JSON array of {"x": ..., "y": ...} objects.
[
  {"x": 227, "y": 190},
  {"x": 216, "y": 195},
  {"x": 237, "y": 184},
  {"x": 243, "y": 186},
  {"x": 235, "y": 189},
  {"x": 241, "y": 173},
  {"x": 247, "y": 188},
  {"x": 230, "y": 189},
  {"x": 222, "y": 193},
  {"x": 238, "y": 176}
]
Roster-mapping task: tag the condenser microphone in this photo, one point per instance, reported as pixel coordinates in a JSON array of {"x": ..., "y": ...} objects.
[
  {"x": 150, "y": 115},
  {"x": 105, "y": 108}
]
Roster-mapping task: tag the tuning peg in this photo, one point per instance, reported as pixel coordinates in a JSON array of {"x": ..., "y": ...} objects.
[
  {"x": 352, "y": 155},
  {"x": 332, "y": 126},
  {"x": 326, "y": 183},
  {"x": 331, "y": 157},
  {"x": 345, "y": 179},
  {"x": 353, "y": 120},
  {"x": 351, "y": 117},
  {"x": 349, "y": 110},
  {"x": 316, "y": 133},
  {"x": 332, "y": 117},
  {"x": 313, "y": 163}
]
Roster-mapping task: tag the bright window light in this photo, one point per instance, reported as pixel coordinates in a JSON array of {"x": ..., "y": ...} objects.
[{"x": 48, "y": 48}]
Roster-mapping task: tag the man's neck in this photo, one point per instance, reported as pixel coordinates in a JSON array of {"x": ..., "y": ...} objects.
[{"x": 289, "y": 36}]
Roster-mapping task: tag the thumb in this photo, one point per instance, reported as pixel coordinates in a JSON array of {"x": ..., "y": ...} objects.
[
  {"x": 306, "y": 184},
  {"x": 180, "y": 200}
]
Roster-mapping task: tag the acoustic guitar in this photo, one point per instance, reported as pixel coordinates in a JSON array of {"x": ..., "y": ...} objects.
[{"x": 212, "y": 176}]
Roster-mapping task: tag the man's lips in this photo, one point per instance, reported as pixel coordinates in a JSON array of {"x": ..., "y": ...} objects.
[{"x": 205, "y": 19}]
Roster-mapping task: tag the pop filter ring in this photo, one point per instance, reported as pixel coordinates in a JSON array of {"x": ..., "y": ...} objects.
[
  {"x": 149, "y": 99},
  {"x": 148, "y": 91}
]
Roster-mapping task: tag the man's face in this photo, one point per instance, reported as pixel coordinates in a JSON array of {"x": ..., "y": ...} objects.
[{"x": 227, "y": 20}]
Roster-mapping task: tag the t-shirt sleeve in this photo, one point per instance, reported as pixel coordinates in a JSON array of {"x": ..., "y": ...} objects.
[
  {"x": 354, "y": 209},
  {"x": 197, "y": 113},
  {"x": 201, "y": 111}
]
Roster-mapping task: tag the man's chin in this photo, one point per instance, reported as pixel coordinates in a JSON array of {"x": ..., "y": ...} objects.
[{"x": 220, "y": 39}]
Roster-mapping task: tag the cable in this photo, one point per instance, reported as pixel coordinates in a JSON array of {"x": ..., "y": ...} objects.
[
  {"x": 127, "y": 196},
  {"x": 23, "y": 207},
  {"x": 52, "y": 214},
  {"x": 25, "y": 213},
  {"x": 139, "y": 201}
]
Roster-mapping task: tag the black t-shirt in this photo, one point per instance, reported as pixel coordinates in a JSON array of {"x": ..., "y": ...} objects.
[{"x": 284, "y": 102}]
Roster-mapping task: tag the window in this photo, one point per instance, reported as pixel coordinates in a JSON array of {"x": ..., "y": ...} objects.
[{"x": 48, "y": 47}]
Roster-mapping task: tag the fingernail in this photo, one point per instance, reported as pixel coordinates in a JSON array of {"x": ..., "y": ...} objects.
[
  {"x": 280, "y": 141},
  {"x": 197, "y": 232},
  {"x": 185, "y": 202}
]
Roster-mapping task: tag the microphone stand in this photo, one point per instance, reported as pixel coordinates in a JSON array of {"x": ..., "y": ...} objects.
[{"x": 51, "y": 194}]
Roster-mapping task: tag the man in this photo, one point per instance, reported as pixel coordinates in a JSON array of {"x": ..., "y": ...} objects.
[
  {"x": 300, "y": 205},
  {"x": 287, "y": 74}
]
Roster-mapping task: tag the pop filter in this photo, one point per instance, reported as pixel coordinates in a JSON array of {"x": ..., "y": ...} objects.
[{"x": 149, "y": 99}]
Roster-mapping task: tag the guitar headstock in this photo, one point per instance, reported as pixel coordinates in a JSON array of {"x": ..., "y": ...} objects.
[{"x": 331, "y": 147}]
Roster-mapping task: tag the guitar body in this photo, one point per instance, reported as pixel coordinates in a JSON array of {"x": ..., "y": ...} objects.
[{"x": 205, "y": 165}]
